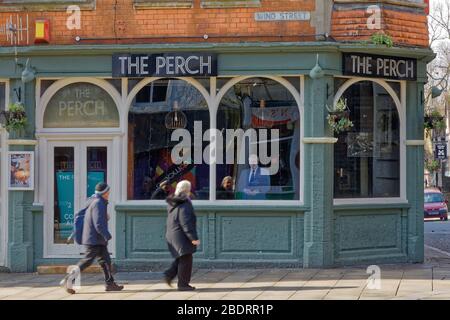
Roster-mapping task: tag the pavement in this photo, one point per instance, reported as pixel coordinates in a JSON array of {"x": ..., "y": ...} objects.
[{"x": 430, "y": 280}]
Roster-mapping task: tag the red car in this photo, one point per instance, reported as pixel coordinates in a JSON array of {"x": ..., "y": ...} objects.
[{"x": 435, "y": 204}]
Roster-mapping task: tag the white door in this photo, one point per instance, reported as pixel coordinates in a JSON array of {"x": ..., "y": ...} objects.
[
  {"x": 74, "y": 168},
  {"x": 3, "y": 199}
]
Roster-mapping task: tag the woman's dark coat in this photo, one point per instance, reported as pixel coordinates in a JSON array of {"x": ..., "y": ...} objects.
[{"x": 181, "y": 227}]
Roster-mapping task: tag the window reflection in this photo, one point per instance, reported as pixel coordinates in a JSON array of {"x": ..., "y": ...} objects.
[
  {"x": 158, "y": 109},
  {"x": 260, "y": 104},
  {"x": 367, "y": 158}
]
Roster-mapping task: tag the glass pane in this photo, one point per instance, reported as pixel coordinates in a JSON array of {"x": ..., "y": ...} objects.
[
  {"x": 396, "y": 87},
  {"x": 116, "y": 83},
  {"x": 96, "y": 168},
  {"x": 160, "y": 109},
  {"x": 45, "y": 84},
  {"x": 367, "y": 158},
  {"x": 265, "y": 167},
  {"x": 63, "y": 193}
]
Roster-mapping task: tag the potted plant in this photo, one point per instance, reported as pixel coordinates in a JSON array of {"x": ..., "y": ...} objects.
[
  {"x": 15, "y": 118},
  {"x": 339, "y": 117},
  {"x": 434, "y": 120},
  {"x": 432, "y": 165}
]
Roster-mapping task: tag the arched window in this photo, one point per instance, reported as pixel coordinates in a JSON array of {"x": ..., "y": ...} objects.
[
  {"x": 159, "y": 109},
  {"x": 260, "y": 124},
  {"x": 367, "y": 158}
]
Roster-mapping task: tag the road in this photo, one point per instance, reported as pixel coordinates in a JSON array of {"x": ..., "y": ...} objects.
[{"x": 437, "y": 235}]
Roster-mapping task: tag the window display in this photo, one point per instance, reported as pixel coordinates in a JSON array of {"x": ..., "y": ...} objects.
[
  {"x": 267, "y": 107},
  {"x": 367, "y": 158},
  {"x": 158, "y": 109}
]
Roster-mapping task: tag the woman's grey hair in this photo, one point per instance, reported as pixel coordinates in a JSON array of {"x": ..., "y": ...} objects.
[{"x": 183, "y": 187}]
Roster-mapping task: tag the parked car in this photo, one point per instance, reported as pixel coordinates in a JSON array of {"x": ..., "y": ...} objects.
[{"x": 435, "y": 204}]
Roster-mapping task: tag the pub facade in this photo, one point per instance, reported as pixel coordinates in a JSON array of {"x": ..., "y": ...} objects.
[{"x": 107, "y": 107}]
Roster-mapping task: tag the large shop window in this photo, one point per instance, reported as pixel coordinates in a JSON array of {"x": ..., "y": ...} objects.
[
  {"x": 159, "y": 109},
  {"x": 367, "y": 158},
  {"x": 268, "y": 109}
]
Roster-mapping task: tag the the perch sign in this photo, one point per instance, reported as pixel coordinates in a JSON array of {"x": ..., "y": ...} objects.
[
  {"x": 365, "y": 65},
  {"x": 164, "y": 65}
]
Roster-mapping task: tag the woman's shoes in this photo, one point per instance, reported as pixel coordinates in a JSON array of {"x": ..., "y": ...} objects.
[
  {"x": 187, "y": 288},
  {"x": 168, "y": 280},
  {"x": 113, "y": 287}
]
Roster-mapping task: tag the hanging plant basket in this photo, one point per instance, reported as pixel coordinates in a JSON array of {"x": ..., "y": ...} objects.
[
  {"x": 434, "y": 120},
  {"x": 15, "y": 118},
  {"x": 339, "y": 117},
  {"x": 432, "y": 165}
]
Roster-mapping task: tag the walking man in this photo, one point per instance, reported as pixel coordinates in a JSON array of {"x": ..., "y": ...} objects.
[
  {"x": 181, "y": 236},
  {"x": 95, "y": 239}
]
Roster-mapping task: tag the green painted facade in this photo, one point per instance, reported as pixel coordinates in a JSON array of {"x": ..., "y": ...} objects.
[{"x": 315, "y": 234}]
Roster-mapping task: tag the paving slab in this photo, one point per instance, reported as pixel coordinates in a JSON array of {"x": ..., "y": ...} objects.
[{"x": 403, "y": 281}]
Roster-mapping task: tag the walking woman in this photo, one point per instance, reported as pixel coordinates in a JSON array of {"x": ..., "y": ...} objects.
[{"x": 181, "y": 236}]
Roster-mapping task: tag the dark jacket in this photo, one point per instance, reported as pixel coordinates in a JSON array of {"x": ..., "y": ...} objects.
[
  {"x": 181, "y": 227},
  {"x": 224, "y": 194},
  {"x": 159, "y": 194},
  {"x": 95, "y": 227}
]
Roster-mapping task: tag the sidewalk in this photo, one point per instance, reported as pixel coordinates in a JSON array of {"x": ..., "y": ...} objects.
[{"x": 430, "y": 280}]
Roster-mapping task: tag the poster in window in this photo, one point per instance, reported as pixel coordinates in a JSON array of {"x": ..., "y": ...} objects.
[
  {"x": 65, "y": 181},
  {"x": 21, "y": 167},
  {"x": 360, "y": 144}
]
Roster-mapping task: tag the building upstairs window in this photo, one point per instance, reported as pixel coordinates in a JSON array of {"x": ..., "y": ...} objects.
[
  {"x": 155, "y": 4},
  {"x": 230, "y": 3},
  {"x": 44, "y": 5}
]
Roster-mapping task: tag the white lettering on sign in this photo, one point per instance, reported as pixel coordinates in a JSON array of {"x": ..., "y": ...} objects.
[
  {"x": 90, "y": 108},
  {"x": 381, "y": 67},
  {"x": 188, "y": 69},
  {"x": 167, "y": 64},
  {"x": 283, "y": 16}
]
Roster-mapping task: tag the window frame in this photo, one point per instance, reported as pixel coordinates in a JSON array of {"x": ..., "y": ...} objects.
[
  {"x": 47, "y": 5},
  {"x": 3, "y": 184},
  {"x": 162, "y": 4},
  {"x": 400, "y": 103},
  {"x": 230, "y": 4}
]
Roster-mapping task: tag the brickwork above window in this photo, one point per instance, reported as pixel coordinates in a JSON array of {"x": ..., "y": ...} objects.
[{"x": 404, "y": 21}]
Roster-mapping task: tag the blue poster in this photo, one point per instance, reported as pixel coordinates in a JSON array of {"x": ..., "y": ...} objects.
[
  {"x": 65, "y": 200},
  {"x": 94, "y": 177}
]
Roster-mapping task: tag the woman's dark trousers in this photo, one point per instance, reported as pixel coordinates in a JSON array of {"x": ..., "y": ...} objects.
[
  {"x": 181, "y": 267},
  {"x": 102, "y": 255}
]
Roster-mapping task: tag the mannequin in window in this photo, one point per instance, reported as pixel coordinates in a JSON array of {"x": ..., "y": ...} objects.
[{"x": 254, "y": 182}]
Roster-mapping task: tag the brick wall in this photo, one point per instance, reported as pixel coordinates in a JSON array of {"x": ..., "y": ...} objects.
[
  {"x": 119, "y": 19},
  {"x": 406, "y": 24}
]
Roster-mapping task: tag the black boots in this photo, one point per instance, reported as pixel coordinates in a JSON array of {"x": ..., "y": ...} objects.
[
  {"x": 113, "y": 287},
  {"x": 187, "y": 288}
]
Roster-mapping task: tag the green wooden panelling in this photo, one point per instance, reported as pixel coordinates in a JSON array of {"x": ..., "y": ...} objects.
[{"x": 250, "y": 235}]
